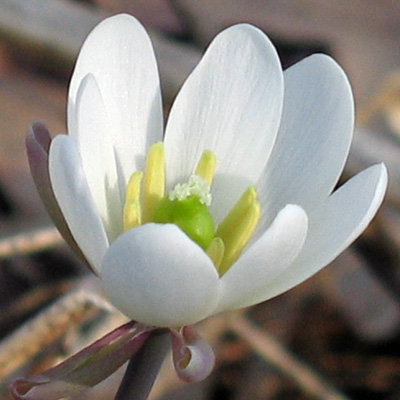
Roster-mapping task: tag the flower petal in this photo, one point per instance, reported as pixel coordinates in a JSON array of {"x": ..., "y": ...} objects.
[
  {"x": 247, "y": 281},
  {"x": 156, "y": 275},
  {"x": 75, "y": 200},
  {"x": 38, "y": 142},
  {"x": 313, "y": 140},
  {"x": 193, "y": 357},
  {"x": 119, "y": 54},
  {"x": 86, "y": 368},
  {"x": 230, "y": 104},
  {"x": 335, "y": 225},
  {"x": 97, "y": 155}
]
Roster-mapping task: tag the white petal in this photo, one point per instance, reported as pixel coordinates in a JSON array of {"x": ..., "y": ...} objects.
[
  {"x": 248, "y": 280},
  {"x": 119, "y": 54},
  {"x": 75, "y": 200},
  {"x": 343, "y": 217},
  {"x": 313, "y": 140},
  {"x": 230, "y": 104},
  {"x": 96, "y": 151},
  {"x": 156, "y": 275}
]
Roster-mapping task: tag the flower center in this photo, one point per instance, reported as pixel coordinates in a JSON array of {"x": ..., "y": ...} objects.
[{"x": 187, "y": 207}]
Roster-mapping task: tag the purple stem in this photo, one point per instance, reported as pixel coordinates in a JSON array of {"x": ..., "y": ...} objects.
[{"x": 143, "y": 367}]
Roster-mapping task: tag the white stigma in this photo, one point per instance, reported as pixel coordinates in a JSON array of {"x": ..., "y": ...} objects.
[{"x": 196, "y": 186}]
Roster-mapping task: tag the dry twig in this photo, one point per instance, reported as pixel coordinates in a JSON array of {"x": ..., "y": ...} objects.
[
  {"x": 275, "y": 354},
  {"x": 31, "y": 242},
  {"x": 20, "y": 346},
  {"x": 34, "y": 299}
]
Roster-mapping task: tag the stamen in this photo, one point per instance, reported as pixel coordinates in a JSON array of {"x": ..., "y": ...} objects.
[
  {"x": 216, "y": 251},
  {"x": 237, "y": 213},
  {"x": 206, "y": 166},
  {"x": 240, "y": 236},
  {"x": 154, "y": 180},
  {"x": 238, "y": 226},
  {"x": 132, "y": 209}
]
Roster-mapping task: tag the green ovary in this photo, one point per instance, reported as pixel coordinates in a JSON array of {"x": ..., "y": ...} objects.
[{"x": 191, "y": 215}]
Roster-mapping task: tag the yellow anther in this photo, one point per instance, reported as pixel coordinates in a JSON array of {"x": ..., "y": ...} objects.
[
  {"x": 236, "y": 214},
  {"x": 154, "y": 180},
  {"x": 206, "y": 166},
  {"x": 132, "y": 211},
  {"x": 237, "y": 228},
  {"x": 216, "y": 251},
  {"x": 133, "y": 187},
  {"x": 238, "y": 239}
]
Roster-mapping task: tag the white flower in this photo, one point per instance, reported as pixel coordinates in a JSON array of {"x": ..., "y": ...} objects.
[{"x": 280, "y": 137}]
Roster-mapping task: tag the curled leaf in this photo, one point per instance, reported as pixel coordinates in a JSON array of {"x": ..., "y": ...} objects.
[
  {"x": 193, "y": 357},
  {"x": 86, "y": 368}
]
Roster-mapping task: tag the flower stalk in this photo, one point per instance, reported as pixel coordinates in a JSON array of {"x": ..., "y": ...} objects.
[{"x": 143, "y": 367}]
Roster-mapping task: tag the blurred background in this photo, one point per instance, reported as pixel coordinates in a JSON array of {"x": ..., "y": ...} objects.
[{"x": 337, "y": 336}]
